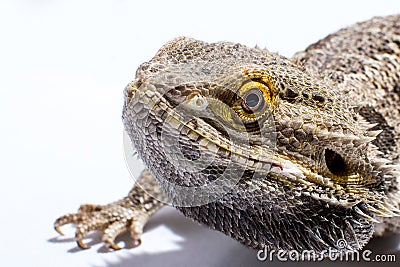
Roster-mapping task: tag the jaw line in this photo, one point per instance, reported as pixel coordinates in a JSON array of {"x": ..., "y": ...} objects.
[{"x": 279, "y": 164}]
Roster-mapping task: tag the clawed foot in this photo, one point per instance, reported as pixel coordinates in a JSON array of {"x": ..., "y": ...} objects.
[{"x": 113, "y": 220}]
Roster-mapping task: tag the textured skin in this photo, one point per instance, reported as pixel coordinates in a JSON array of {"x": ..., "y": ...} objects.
[
  {"x": 314, "y": 164},
  {"x": 128, "y": 214}
]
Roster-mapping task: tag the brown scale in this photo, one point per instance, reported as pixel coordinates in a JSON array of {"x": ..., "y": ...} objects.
[{"x": 346, "y": 187}]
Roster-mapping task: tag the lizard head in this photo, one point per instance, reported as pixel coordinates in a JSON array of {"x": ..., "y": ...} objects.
[{"x": 223, "y": 126}]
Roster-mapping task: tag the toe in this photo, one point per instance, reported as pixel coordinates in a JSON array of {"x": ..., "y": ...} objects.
[
  {"x": 112, "y": 231},
  {"x": 136, "y": 227},
  {"x": 80, "y": 244},
  {"x": 95, "y": 222},
  {"x": 66, "y": 219}
]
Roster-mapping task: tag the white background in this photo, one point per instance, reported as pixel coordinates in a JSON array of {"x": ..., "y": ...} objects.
[{"x": 63, "y": 65}]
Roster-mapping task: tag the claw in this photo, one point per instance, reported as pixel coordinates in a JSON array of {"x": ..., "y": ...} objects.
[
  {"x": 137, "y": 242},
  {"x": 113, "y": 219},
  {"x": 66, "y": 219},
  {"x": 114, "y": 246},
  {"x": 58, "y": 230},
  {"x": 111, "y": 232},
  {"x": 81, "y": 244}
]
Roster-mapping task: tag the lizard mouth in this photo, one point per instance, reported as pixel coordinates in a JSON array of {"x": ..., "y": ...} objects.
[
  {"x": 198, "y": 132},
  {"x": 218, "y": 126},
  {"x": 203, "y": 131},
  {"x": 211, "y": 135}
]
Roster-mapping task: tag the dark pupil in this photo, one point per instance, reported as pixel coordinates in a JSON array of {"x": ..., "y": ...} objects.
[{"x": 252, "y": 100}]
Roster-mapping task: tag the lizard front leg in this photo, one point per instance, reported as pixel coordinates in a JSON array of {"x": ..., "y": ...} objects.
[{"x": 128, "y": 214}]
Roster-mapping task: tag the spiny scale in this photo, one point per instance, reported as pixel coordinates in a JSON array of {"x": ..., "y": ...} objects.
[{"x": 334, "y": 109}]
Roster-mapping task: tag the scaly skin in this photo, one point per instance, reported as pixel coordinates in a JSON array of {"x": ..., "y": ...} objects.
[
  {"x": 128, "y": 214},
  {"x": 291, "y": 154}
]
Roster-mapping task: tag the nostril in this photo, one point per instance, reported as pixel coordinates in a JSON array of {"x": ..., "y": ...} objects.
[
  {"x": 198, "y": 102},
  {"x": 335, "y": 163}
]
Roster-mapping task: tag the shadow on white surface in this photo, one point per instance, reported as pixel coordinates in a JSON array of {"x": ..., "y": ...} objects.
[{"x": 200, "y": 246}]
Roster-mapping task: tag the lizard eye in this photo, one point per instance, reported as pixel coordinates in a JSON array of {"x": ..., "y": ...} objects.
[
  {"x": 254, "y": 97},
  {"x": 253, "y": 100}
]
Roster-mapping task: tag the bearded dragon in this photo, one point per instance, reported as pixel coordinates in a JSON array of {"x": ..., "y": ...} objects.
[{"x": 285, "y": 153}]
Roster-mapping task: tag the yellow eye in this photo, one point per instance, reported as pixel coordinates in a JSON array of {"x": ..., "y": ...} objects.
[{"x": 255, "y": 97}]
